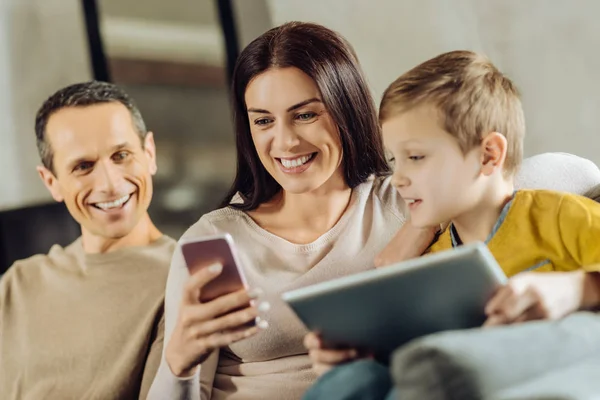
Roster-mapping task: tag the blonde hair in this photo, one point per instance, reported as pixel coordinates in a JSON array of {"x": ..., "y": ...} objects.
[{"x": 473, "y": 97}]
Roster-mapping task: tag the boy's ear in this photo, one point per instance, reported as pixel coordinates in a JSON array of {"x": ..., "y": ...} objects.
[
  {"x": 493, "y": 153},
  {"x": 50, "y": 182}
]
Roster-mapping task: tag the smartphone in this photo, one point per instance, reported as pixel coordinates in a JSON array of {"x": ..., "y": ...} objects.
[{"x": 205, "y": 251}]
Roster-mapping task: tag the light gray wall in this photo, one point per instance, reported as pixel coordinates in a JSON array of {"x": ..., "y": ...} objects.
[
  {"x": 180, "y": 11},
  {"x": 550, "y": 48},
  {"x": 42, "y": 48}
]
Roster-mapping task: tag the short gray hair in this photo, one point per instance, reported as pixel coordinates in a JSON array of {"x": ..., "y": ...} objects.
[{"x": 82, "y": 95}]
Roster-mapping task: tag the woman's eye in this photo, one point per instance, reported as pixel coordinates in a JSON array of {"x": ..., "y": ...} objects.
[
  {"x": 262, "y": 121},
  {"x": 416, "y": 158},
  {"x": 306, "y": 116}
]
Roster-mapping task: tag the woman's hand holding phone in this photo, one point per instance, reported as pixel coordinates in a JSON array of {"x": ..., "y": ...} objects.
[{"x": 204, "y": 327}]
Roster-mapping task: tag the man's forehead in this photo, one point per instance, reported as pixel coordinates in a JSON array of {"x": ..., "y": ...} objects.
[
  {"x": 77, "y": 132},
  {"x": 105, "y": 120}
]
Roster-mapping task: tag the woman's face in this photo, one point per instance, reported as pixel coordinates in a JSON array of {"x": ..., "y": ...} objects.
[{"x": 296, "y": 139}]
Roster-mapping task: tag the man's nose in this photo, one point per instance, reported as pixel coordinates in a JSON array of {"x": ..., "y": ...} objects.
[{"x": 109, "y": 177}]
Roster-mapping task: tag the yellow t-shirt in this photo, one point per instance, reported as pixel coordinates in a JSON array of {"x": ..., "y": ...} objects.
[{"x": 541, "y": 230}]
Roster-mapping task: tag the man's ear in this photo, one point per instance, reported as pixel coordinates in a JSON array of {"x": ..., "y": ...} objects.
[
  {"x": 50, "y": 182},
  {"x": 150, "y": 150},
  {"x": 493, "y": 153}
]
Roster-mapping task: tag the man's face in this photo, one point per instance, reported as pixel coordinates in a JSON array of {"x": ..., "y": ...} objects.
[{"x": 102, "y": 171}]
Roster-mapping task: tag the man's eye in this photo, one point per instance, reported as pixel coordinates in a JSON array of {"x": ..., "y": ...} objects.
[
  {"x": 84, "y": 166},
  {"x": 120, "y": 156}
]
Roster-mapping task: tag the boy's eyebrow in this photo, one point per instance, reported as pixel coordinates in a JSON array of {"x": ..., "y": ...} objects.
[
  {"x": 292, "y": 108},
  {"x": 409, "y": 141}
]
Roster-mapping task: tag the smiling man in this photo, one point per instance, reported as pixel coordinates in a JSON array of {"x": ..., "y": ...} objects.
[{"x": 86, "y": 321}]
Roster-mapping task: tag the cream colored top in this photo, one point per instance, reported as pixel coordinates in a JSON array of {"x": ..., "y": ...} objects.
[
  {"x": 83, "y": 326},
  {"x": 274, "y": 364}
]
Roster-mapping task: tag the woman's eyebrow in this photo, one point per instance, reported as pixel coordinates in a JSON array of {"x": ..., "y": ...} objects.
[{"x": 292, "y": 108}]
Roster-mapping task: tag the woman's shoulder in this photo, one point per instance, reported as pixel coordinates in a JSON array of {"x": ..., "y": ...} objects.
[
  {"x": 382, "y": 193},
  {"x": 215, "y": 222}
]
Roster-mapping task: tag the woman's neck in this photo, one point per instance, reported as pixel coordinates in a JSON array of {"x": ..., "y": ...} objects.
[{"x": 303, "y": 218}]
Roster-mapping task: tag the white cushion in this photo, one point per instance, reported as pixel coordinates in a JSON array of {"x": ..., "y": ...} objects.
[{"x": 562, "y": 172}]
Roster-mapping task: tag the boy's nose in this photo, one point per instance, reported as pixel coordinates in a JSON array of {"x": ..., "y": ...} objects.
[{"x": 400, "y": 180}]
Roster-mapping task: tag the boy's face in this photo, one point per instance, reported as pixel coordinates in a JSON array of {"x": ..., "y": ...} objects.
[{"x": 431, "y": 173}]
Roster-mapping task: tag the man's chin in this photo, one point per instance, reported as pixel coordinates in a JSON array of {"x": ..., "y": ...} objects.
[{"x": 114, "y": 231}]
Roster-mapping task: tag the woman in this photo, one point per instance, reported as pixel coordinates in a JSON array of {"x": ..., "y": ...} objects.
[{"x": 310, "y": 202}]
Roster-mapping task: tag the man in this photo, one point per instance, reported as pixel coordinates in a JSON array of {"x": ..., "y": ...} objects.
[{"x": 85, "y": 321}]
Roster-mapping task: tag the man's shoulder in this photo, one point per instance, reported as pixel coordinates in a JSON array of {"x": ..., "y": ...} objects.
[
  {"x": 159, "y": 251},
  {"x": 34, "y": 263},
  {"x": 29, "y": 269}
]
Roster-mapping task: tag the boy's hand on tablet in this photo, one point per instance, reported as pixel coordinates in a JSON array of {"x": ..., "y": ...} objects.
[
  {"x": 325, "y": 359},
  {"x": 530, "y": 296}
]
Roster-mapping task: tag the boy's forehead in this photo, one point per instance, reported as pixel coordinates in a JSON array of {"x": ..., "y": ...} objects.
[{"x": 416, "y": 124}]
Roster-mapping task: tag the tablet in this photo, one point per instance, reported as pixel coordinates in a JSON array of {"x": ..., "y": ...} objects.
[{"x": 383, "y": 309}]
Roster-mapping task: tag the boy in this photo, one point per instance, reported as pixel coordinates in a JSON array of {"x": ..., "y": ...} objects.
[{"x": 455, "y": 128}]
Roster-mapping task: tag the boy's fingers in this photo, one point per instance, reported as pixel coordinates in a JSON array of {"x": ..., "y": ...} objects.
[
  {"x": 518, "y": 304},
  {"x": 494, "y": 320},
  {"x": 333, "y": 356},
  {"x": 498, "y": 299},
  {"x": 312, "y": 341}
]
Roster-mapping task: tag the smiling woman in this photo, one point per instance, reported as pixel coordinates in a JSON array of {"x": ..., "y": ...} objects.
[
  {"x": 310, "y": 202},
  {"x": 287, "y": 88}
]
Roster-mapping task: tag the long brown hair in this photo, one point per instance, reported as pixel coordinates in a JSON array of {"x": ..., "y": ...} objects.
[{"x": 330, "y": 61}]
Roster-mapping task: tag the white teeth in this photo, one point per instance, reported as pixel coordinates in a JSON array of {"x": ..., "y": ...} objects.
[
  {"x": 296, "y": 162},
  {"x": 410, "y": 201},
  {"x": 113, "y": 204}
]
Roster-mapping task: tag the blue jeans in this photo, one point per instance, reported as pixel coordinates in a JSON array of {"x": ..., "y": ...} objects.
[{"x": 359, "y": 380}]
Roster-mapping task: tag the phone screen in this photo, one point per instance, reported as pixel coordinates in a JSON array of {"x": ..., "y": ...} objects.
[{"x": 202, "y": 253}]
